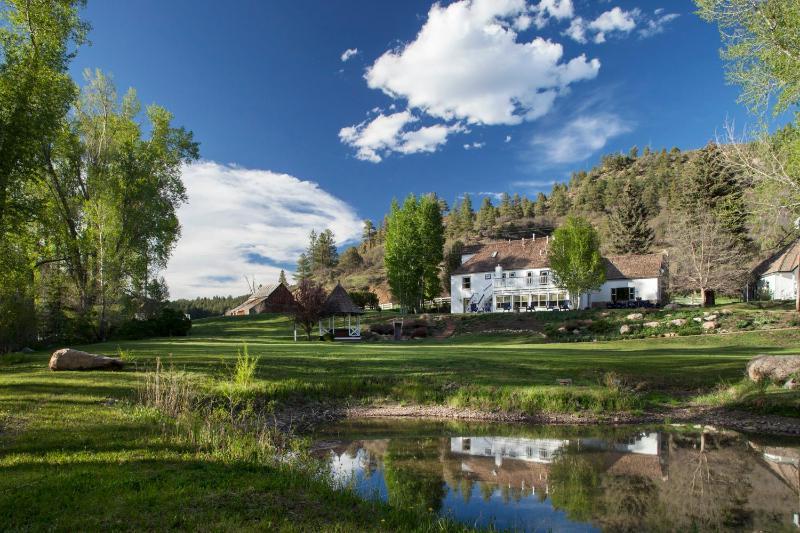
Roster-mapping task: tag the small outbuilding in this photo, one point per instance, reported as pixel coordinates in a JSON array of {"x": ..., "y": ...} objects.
[
  {"x": 778, "y": 275},
  {"x": 340, "y": 316},
  {"x": 274, "y": 298}
]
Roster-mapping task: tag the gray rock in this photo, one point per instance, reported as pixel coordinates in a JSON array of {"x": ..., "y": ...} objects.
[
  {"x": 678, "y": 322},
  {"x": 711, "y": 317},
  {"x": 624, "y": 329},
  {"x": 791, "y": 384},
  {"x": 671, "y": 307},
  {"x": 69, "y": 359},
  {"x": 697, "y": 319},
  {"x": 651, "y": 324},
  {"x": 774, "y": 367},
  {"x": 635, "y": 316},
  {"x": 709, "y": 325}
]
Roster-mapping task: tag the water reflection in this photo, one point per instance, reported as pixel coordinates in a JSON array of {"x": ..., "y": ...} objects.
[{"x": 560, "y": 479}]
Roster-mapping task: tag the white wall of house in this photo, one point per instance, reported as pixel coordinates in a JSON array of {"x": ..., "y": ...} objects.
[
  {"x": 646, "y": 289},
  {"x": 781, "y": 285},
  {"x": 486, "y": 286}
]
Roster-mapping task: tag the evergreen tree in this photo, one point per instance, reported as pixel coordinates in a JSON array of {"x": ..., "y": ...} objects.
[
  {"x": 516, "y": 206},
  {"x": 368, "y": 235},
  {"x": 304, "y": 269},
  {"x": 351, "y": 260},
  {"x": 324, "y": 253},
  {"x": 559, "y": 200},
  {"x": 628, "y": 223},
  {"x": 487, "y": 215},
  {"x": 540, "y": 208},
  {"x": 282, "y": 278},
  {"x": 505, "y": 205},
  {"x": 527, "y": 207},
  {"x": 466, "y": 216}
]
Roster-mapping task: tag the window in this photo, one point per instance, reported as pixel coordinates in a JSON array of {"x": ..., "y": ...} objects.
[
  {"x": 466, "y": 282},
  {"x": 544, "y": 276},
  {"x": 623, "y": 294},
  {"x": 466, "y": 445},
  {"x": 530, "y": 278},
  {"x": 487, "y": 276},
  {"x": 512, "y": 274}
]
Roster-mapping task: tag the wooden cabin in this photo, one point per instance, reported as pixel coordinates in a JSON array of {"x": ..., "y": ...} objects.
[{"x": 274, "y": 298}]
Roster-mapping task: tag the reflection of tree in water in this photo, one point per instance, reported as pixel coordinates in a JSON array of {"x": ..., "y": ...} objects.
[
  {"x": 413, "y": 474},
  {"x": 626, "y": 503},
  {"x": 575, "y": 484}
]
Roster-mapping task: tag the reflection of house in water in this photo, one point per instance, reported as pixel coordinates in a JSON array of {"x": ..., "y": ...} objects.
[{"x": 545, "y": 450}]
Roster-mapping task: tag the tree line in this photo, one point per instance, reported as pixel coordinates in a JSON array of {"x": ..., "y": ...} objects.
[{"x": 90, "y": 183}]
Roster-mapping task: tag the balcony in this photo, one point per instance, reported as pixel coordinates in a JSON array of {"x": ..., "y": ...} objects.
[{"x": 522, "y": 283}]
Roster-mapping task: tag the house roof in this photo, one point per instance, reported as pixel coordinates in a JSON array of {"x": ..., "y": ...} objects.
[
  {"x": 528, "y": 253},
  {"x": 259, "y": 296},
  {"x": 785, "y": 260},
  {"x": 339, "y": 303}
]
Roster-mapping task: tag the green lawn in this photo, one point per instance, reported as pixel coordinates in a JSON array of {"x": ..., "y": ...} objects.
[{"x": 70, "y": 459}]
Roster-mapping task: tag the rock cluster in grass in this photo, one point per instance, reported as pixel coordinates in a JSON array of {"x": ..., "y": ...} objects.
[
  {"x": 776, "y": 368},
  {"x": 69, "y": 359}
]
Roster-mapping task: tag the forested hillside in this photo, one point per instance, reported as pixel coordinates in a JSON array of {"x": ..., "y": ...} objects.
[{"x": 646, "y": 191}]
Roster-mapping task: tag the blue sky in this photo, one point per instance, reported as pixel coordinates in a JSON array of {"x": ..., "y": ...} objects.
[{"x": 477, "y": 97}]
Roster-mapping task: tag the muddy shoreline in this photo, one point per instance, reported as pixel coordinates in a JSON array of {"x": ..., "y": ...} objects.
[{"x": 305, "y": 419}]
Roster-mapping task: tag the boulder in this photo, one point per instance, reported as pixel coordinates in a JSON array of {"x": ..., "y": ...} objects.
[
  {"x": 635, "y": 316},
  {"x": 678, "y": 322},
  {"x": 671, "y": 307},
  {"x": 671, "y": 334},
  {"x": 69, "y": 359},
  {"x": 709, "y": 325},
  {"x": 651, "y": 324},
  {"x": 697, "y": 319},
  {"x": 727, "y": 311},
  {"x": 624, "y": 329},
  {"x": 711, "y": 317},
  {"x": 773, "y": 367},
  {"x": 791, "y": 384}
]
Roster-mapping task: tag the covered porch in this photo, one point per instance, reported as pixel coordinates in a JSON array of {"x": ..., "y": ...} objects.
[{"x": 531, "y": 301}]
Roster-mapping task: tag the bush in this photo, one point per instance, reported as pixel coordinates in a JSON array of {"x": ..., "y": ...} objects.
[
  {"x": 382, "y": 329},
  {"x": 168, "y": 323},
  {"x": 245, "y": 369},
  {"x": 365, "y": 299},
  {"x": 419, "y": 332}
]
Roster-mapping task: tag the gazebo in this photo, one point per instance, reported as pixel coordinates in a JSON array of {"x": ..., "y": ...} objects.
[{"x": 340, "y": 316}]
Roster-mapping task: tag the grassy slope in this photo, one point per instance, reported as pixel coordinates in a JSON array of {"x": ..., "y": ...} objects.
[{"x": 70, "y": 460}]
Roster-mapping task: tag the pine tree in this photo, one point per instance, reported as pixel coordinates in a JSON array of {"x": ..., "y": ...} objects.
[
  {"x": 516, "y": 206},
  {"x": 466, "y": 216},
  {"x": 368, "y": 235},
  {"x": 540, "y": 208},
  {"x": 628, "y": 223},
  {"x": 304, "y": 269},
  {"x": 282, "y": 278},
  {"x": 487, "y": 215},
  {"x": 505, "y": 205}
]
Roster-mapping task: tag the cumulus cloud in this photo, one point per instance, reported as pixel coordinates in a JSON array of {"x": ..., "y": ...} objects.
[
  {"x": 347, "y": 54},
  {"x": 375, "y": 138},
  {"x": 242, "y": 221},
  {"x": 467, "y": 67},
  {"x": 577, "y": 140},
  {"x": 466, "y": 63}
]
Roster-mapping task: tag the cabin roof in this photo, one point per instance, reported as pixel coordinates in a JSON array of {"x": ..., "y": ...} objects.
[
  {"x": 530, "y": 254},
  {"x": 263, "y": 292},
  {"x": 785, "y": 260}
]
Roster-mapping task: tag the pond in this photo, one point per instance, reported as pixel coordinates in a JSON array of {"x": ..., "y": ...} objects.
[{"x": 556, "y": 478}]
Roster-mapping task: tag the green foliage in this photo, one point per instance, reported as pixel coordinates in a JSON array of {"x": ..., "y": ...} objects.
[
  {"x": 168, "y": 323},
  {"x": 575, "y": 259},
  {"x": 630, "y": 232},
  {"x": 245, "y": 369},
  {"x": 575, "y": 482},
  {"x": 762, "y": 51},
  {"x": 365, "y": 299},
  {"x": 204, "y": 307}
]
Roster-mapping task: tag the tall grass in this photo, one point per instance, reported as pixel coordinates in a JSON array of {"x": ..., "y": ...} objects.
[
  {"x": 166, "y": 390},
  {"x": 245, "y": 369}
]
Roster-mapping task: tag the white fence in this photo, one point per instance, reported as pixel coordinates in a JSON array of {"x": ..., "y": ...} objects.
[{"x": 436, "y": 302}]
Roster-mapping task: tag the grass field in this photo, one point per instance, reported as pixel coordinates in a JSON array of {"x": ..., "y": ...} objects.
[{"x": 76, "y": 453}]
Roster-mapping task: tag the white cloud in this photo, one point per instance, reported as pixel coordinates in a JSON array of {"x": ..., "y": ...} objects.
[
  {"x": 474, "y": 146},
  {"x": 241, "y": 222},
  {"x": 375, "y": 138},
  {"x": 557, "y": 9},
  {"x": 615, "y": 20},
  {"x": 347, "y": 54},
  {"x": 657, "y": 25},
  {"x": 466, "y": 66},
  {"x": 466, "y": 63},
  {"x": 579, "y": 138},
  {"x": 508, "y": 138}
]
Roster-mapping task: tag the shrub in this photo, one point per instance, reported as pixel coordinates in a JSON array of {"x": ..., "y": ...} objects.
[
  {"x": 168, "y": 323},
  {"x": 419, "y": 332},
  {"x": 382, "y": 329},
  {"x": 245, "y": 369}
]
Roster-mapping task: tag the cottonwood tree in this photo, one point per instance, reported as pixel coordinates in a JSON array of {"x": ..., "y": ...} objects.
[
  {"x": 706, "y": 256},
  {"x": 309, "y": 301},
  {"x": 628, "y": 224},
  {"x": 574, "y": 254}
]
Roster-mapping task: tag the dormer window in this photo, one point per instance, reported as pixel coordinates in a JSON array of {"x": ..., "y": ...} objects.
[{"x": 544, "y": 277}]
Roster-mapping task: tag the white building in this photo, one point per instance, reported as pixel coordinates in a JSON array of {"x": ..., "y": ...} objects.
[
  {"x": 516, "y": 275},
  {"x": 777, "y": 276}
]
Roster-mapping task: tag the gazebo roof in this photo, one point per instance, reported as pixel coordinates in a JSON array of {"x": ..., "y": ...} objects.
[{"x": 339, "y": 303}]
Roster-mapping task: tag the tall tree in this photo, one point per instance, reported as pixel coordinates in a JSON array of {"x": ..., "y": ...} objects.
[
  {"x": 303, "y": 270},
  {"x": 431, "y": 243},
  {"x": 282, "y": 278},
  {"x": 487, "y": 214},
  {"x": 402, "y": 253},
  {"x": 368, "y": 235},
  {"x": 574, "y": 255},
  {"x": 628, "y": 223},
  {"x": 110, "y": 195},
  {"x": 466, "y": 216}
]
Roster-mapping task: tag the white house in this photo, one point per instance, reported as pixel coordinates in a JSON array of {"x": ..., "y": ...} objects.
[
  {"x": 516, "y": 275},
  {"x": 777, "y": 276}
]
